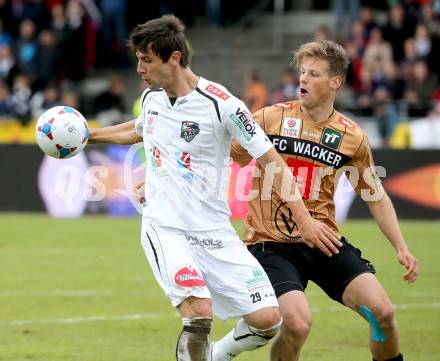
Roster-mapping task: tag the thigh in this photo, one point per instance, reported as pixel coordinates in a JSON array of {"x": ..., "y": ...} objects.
[
  {"x": 237, "y": 282},
  {"x": 295, "y": 310},
  {"x": 172, "y": 262},
  {"x": 366, "y": 290},
  {"x": 333, "y": 274},
  {"x": 284, "y": 270}
]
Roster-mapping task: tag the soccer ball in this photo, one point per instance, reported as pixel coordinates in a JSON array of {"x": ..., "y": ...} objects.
[{"x": 61, "y": 132}]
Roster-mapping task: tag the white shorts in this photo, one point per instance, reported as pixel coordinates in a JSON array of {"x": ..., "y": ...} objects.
[{"x": 207, "y": 264}]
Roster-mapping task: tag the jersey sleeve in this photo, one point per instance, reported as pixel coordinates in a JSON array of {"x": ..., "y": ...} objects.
[
  {"x": 368, "y": 183},
  {"x": 139, "y": 122},
  {"x": 240, "y": 154},
  {"x": 248, "y": 134}
]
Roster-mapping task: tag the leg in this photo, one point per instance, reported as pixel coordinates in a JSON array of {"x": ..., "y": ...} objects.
[
  {"x": 252, "y": 331},
  {"x": 366, "y": 291},
  {"x": 297, "y": 321},
  {"x": 193, "y": 343}
]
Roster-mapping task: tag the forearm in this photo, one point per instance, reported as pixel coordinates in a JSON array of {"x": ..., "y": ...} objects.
[
  {"x": 386, "y": 218},
  {"x": 285, "y": 183},
  {"x": 117, "y": 134}
]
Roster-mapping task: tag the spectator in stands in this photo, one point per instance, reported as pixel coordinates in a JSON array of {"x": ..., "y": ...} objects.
[
  {"x": 8, "y": 68},
  {"x": 114, "y": 31},
  {"x": 71, "y": 98},
  {"x": 357, "y": 37},
  {"x": 393, "y": 82},
  {"x": 26, "y": 48},
  {"x": 422, "y": 41},
  {"x": 21, "y": 94},
  {"x": 364, "y": 93},
  {"x": 323, "y": 33},
  {"x": 397, "y": 30},
  {"x": 354, "y": 69},
  {"x": 256, "y": 95},
  {"x": 48, "y": 58},
  {"x": 428, "y": 17},
  {"x": 385, "y": 114},
  {"x": 6, "y": 106},
  {"x": 289, "y": 88},
  {"x": 366, "y": 17},
  {"x": 378, "y": 52},
  {"x": 74, "y": 48},
  {"x": 343, "y": 8},
  {"x": 109, "y": 106},
  {"x": 419, "y": 92},
  {"x": 5, "y": 37},
  {"x": 45, "y": 99},
  {"x": 409, "y": 60}
]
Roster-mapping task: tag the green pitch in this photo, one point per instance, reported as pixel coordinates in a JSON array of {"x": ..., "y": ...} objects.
[{"x": 81, "y": 290}]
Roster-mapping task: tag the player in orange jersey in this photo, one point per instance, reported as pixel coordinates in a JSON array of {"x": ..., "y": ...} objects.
[{"x": 320, "y": 144}]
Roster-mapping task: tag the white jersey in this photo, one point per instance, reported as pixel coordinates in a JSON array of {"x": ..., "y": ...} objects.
[{"x": 187, "y": 146}]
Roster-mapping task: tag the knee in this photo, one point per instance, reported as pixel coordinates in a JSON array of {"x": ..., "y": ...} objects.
[
  {"x": 264, "y": 319},
  {"x": 196, "y": 307},
  {"x": 296, "y": 327},
  {"x": 385, "y": 316}
]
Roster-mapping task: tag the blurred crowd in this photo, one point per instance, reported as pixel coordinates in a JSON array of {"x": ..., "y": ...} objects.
[
  {"x": 46, "y": 48},
  {"x": 394, "y": 71}
]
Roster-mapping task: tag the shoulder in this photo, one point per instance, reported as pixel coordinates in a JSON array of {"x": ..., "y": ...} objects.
[
  {"x": 148, "y": 93},
  {"x": 217, "y": 93},
  {"x": 275, "y": 113},
  {"x": 353, "y": 135}
]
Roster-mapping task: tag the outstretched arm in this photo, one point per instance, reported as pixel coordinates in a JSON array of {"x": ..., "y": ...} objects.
[
  {"x": 312, "y": 231},
  {"x": 117, "y": 134},
  {"x": 385, "y": 216}
]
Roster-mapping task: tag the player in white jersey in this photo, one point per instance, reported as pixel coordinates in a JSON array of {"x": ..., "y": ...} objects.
[{"x": 187, "y": 124}]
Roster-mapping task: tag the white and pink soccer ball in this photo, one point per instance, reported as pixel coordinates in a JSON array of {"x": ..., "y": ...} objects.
[{"x": 62, "y": 132}]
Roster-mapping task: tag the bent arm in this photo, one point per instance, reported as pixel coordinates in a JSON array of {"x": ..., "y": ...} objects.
[
  {"x": 313, "y": 232},
  {"x": 117, "y": 134}
]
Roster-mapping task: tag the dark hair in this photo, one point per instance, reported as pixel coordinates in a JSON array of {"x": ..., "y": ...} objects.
[{"x": 163, "y": 36}]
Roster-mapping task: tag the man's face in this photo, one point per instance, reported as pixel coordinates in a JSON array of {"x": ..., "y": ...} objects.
[
  {"x": 155, "y": 72},
  {"x": 316, "y": 85}
]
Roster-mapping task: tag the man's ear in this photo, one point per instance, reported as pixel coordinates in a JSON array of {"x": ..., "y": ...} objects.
[
  {"x": 175, "y": 58},
  {"x": 336, "y": 82}
]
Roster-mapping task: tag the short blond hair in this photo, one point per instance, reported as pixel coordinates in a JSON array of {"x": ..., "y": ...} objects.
[{"x": 334, "y": 53}]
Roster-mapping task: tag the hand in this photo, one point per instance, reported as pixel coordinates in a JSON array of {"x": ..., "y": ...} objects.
[
  {"x": 315, "y": 233},
  {"x": 139, "y": 192},
  {"x": 411, "y": 264}
]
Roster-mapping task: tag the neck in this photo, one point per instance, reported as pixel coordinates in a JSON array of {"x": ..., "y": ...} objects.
[
  {"x": 184, "y": 82},
  {"x": 319, "y": 113}
]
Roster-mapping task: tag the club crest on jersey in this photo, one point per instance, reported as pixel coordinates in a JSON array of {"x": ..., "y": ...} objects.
[
  {"x": 291, "y": 127},
  {"x": 189, "y": 130}
]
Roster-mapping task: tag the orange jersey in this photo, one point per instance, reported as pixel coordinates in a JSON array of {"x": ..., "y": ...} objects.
[{"x": 318, "y": 153}]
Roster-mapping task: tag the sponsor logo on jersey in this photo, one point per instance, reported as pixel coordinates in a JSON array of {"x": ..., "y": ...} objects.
[
  {"x": 258, "y": 280},
  {"x": 291, "y": 127},
  {"x": 150, "y": 118},
  {"x": 284, "y": 220},
  {"x": 347, "y": 123},
  {"x": 311, "y": 134},
  {"x": 207, "y": 243},
  {"x": 182, "y": 101},
  {"x": 189, "y": 130},
  {"x": 245, "y": 122},
  {"x": 308, "y": 149},
  {"x": 184, "y": 160},
  {"x": 331, "y": 138},
  {"x": 187, "y": 276},
  {"x": 217, "y": 92},
  {"x": 285, "y": 105},
  {"x": 156, "y": 161}
]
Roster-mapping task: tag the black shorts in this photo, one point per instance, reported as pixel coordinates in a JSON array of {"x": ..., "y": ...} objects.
[{"x": 291, "y": 265}]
